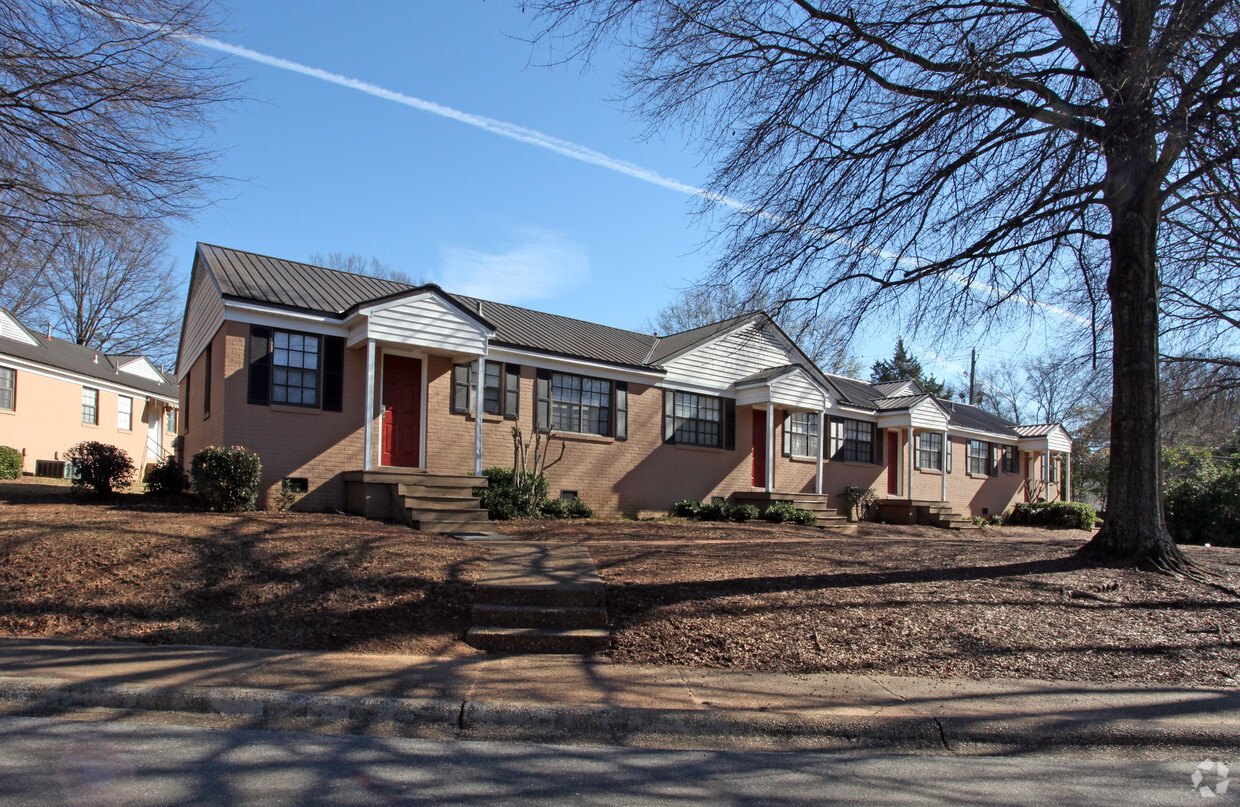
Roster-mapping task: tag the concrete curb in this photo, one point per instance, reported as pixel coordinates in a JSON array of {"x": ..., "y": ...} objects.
[{"x": 609, "y": 725}]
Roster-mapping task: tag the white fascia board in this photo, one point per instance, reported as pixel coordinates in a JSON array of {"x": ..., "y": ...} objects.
[
  {"x": 859, "y": 413},
  {"x": 577, "y": 366},
  {"x": 702, "y": 389},
  {"x": 83, "y": 380},
  {"x": 253, "y": 314}
]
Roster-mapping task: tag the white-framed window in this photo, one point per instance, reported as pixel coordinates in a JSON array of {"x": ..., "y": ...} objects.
[
  {"x": 295, "y": 368},
  {"x": 1011, "y": 460},
  {"x": 501, "y": 392},
  {"x": 90, "y": 406},
  {"x": 852, "y": 440},
  {"x": 124, "y": 413},
  {"x": 978, "y": 457},
  {"x": 801, "y": 434},
  {"x": 1056, "y": 469},
  {"x": 697, "y": 420},
  {"x": 8, "y": 388},
  {"x": 930, "y": 451},
  {"x": 580, "y": 404},
  {"x": 170, "y": 420}
]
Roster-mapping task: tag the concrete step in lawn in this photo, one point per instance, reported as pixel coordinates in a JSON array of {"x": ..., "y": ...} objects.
[{"x": 539, "y": 598}]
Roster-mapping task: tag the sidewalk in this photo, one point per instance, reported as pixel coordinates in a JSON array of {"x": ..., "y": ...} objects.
[{"x": 576, "y": 699}]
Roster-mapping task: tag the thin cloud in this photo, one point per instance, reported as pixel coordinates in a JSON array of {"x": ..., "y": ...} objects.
[{"x": 543, "y": 265}]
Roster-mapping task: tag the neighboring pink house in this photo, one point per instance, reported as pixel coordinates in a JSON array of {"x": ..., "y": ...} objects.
[
  {"x": 55, "y": 394},
  {"x": 348, "y": 386}
]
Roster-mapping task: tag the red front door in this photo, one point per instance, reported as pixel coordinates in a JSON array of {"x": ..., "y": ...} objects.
[
  {"x": 402, "y": 411},
  {"x": 893, "y": 463},
  {"x": 759, "y": 448}
]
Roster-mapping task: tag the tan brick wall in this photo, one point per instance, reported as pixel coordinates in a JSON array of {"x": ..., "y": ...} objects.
[
  {"x": 47, "y": 420},
  {"x": 290, "y": 441}
]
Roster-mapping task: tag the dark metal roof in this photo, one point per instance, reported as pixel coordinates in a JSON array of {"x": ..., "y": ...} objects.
[
  {"x": 768, "y": 374},
  {"x": 899, "y": 402},
  {"x": 83, "y": 361},
  {"x": 971, "y": 417},
  {"x": 249, "y": 276},
  {"x": 526, "y": 329},
  {"x": 857, "y": 393}
]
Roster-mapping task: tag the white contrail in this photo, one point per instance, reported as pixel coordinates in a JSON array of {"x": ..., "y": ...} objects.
[
  {"x": 575, "y": 151},
  {"x": 502, "y": 128}
]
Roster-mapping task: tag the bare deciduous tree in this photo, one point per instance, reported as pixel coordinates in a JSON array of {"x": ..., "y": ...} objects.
[
  {"x": 359, "y": 264},
  {"x": 973, "y": 153},
  {"x": 824, "y": 339},
  {"x": 115, "y": 291},
  {"x": 102, "y": 113}
]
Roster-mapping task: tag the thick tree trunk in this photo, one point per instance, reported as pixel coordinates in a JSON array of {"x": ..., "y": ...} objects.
[{"x": 1135, "y": 529}]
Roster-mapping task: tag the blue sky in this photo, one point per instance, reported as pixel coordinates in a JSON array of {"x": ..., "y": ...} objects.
[{"x": 316, "y": 166}]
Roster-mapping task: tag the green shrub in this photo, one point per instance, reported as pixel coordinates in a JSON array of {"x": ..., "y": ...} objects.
[
  {"x": 689, "y": 508},
  {"x": 553, "y": 508},
  {"x": 804, "y": 517},
  {"x": 502, "y": 498},
  {"x": 10, "y": 463},
  {"x": 166, "y": 478},
  {"x": 715, "y": 511},
  {"x": 100, "y": 466},
  {"x": 226, "y": 479},
  {"x": 745, "y": 512},
  {"x": 579, "y": 509},
  {"x": 1205, "y": 509},
  {"x": 779, "y": 512},
  {"x": 1077, "y": 515}
]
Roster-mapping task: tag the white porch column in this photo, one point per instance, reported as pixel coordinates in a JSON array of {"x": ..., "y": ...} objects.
[
  {"x": 912, "y": 457},
  {"x": 822, "y": 416},
  {"x": 479, "y": 392},
  {"x": 770, "y": 446},
  {"x": 369, "y": 433},
  {"x": 1067, "y": 477},
  {"x": 947, "y": 447},
  {"x": 1046, "y": 475}
]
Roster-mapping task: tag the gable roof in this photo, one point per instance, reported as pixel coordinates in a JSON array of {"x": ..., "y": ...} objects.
[
  {"x": 83, "y": 361},
  {"x": 967, "y": 416},
  {"x": 674, "y": 344}
]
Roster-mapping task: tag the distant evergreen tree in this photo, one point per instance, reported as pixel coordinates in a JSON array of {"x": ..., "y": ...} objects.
[{"x": 904, "y": 367}]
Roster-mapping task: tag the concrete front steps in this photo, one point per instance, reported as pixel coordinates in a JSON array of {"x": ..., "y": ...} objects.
[
  {"x": 921, "y": 511},
  {"x": 539, "y": 599},
  {"x": 816, "y": 503},
  {"x": 424, "y": 501}
]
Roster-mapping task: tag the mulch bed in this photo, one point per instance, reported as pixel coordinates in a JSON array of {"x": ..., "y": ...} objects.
[
  {"x": 1005, "y": 602},
  {"x": 1000, "y": 603},
  {"x": 74, "y": 567}
]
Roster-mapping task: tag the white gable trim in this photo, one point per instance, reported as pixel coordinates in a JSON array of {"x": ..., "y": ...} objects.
[
  {"x": 10, "y": 328},
  {"x": 143, "y": 367}
]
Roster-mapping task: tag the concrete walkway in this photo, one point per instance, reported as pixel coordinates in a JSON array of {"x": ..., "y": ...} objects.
[{"x": 576, "y": 699}]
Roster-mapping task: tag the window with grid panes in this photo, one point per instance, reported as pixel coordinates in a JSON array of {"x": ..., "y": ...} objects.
[
  {"x": 90, "y": 406},
  {"x": 8, "y": 388},
  {"x": 803, "y": 434},
  {"x": 170, "y": 421},
  {"x": 1011, "y": 460},
  {"x": 978, "y": 457},
  {"x": 580, "y": 404},
  {"x": 930, "y": 451},
  {"x": 295, "y": 369},
  {"x": 124, "y": 413},
  {"x": 852, "y": 440},
  {"x": 698, "y": 420}
]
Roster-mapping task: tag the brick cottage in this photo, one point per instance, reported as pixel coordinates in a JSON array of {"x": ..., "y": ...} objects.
[{"x": 347, "y": 386}]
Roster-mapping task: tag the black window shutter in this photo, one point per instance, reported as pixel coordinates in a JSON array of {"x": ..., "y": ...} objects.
[
  {"x": 333, "y": 373},
  {"x": 787, "y": 435},
  {"x": 994, "y": 459},
  {"x": 622, "y": 410},
  {"x": 542, "y": 403},
  {"x": 512, "y": 390},
  {"x": 880, "y": 443},
  {"x": 669, "y": 416},
  {"x": 260, "y": 366},
  {"x": 947, "y": 449},
  {"x": 875, "y": 450},
  {"x": 460, "y": 389},
  {"x": 729, "y": 424},
  {"x": 916, "y": 453}
]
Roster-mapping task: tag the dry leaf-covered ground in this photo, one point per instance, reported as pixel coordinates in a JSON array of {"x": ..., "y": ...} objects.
[
  {"x": 999, "y": 603},
  {"x": 74, "y": 568},
  {"x": 1009, "y": 602}
]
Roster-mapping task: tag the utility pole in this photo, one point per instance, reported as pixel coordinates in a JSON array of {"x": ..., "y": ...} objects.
[{"x": 972, "y": 372}]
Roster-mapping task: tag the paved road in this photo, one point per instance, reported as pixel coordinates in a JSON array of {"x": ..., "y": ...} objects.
[{"x": 56, "y": 762}]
